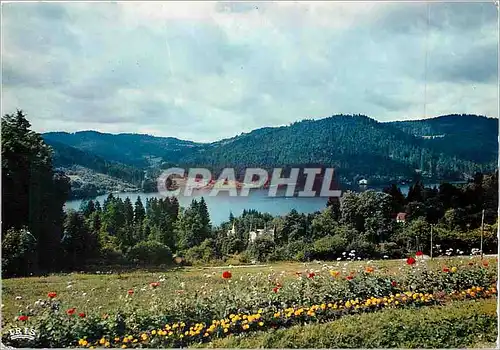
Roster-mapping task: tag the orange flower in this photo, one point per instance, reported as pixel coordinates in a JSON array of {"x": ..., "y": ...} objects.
[
  {"x": 369, "y": 269},
  {"x": 485, "y": 263}
]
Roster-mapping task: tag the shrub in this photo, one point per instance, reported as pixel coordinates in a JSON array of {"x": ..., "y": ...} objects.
[
  {"x": 18, "y": 252},
  {"x": 150, "y": 252},
  {"x": 328, "y": 247},
  {"x": 261, "y": 248},
  {"x": 204, "y": 253}
]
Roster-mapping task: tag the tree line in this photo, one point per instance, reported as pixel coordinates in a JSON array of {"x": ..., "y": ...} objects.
[{"x": 38, "y": 236}]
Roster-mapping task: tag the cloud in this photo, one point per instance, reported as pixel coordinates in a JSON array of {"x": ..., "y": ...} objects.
[{"x": 207, "y": 70}]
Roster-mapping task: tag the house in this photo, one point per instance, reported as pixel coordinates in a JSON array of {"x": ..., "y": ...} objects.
[
  {"x": 259, "y": 232},
  {"x": 363, "y": 182},
  {"x": 401, "y": 217}
]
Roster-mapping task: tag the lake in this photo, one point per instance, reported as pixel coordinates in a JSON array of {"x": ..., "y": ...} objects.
[{"x": 221, "y": 205}]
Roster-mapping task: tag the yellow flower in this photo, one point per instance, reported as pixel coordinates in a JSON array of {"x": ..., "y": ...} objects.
[
  {"x": 348, "y": 304},
  {"x": 206, "y": 334},
  {"x": 226, "y": 330},
  {"x": 277, "y": 314},
  {"x": 124, "y": 346},
  {"x": 102, "y": 341},
  {"x": 144, "y": 336},
  {"x": 334, "y": 273},
  {"x": 153, "y": 332},
  {"x": 117, "y": 339},
  {"x": 130, "y": 337},
  {"x": 453, "y": 269},
  {"x": 107, "y": 344},
  {"x": 261, "y": 323}
]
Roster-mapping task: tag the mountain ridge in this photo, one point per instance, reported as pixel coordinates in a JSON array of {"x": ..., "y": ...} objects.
[{"x": 353, "y": 144}]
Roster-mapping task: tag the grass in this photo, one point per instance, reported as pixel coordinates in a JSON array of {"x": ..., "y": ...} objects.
[
  {"x": 458, "y": 325},
  {"x": 107, "y": 291}
]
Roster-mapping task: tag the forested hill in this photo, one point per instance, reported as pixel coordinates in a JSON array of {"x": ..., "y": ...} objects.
[
  {"x": 465, "y": 136},
  {"x": 66, "y": 156},
  {"x": 133, "y": 149},
  {"x": 354, "y": 145}
]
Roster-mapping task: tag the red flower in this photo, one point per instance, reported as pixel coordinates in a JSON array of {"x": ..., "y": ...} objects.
[
  {"x": 278, "y": 285},
  {"x": 419, "y": 253},
  {"x": 276, "y": 289},
  {"x": 445, "y": 269},
  {"x": 23, "y": 318},
  {"x": 410, "y": 261},
  {"x": 311, "y": 275},
  {"x": 81, "y": 315},
  {"x": 349, "y": 277},
  {"x": 226, "y": 275},
  {"x": 71, "y": 311},
  {"x": 130, "y": 291},
  {"x": 394, "y": 283},
  {"x": 471, "y": 263},
  {"x": 485, "y": 263},
  {"x": 154, "y": 284},
  {"x": 52, "y": 295}
]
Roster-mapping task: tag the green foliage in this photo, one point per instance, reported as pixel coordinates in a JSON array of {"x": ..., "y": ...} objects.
[
  {"x": 261, "y": 248},
  {"x": 18, "y": 252},
  {"x": 32, "y": 193},
  {"x": 150, "y": 252},
  {"x": 329, "y": 247},
  {"x": 204, "y": 253}
]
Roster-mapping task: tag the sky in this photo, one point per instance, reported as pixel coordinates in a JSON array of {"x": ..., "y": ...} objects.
[{"x": 204, "y": 71}]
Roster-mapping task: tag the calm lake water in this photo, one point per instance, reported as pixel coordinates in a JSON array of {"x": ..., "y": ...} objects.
[{"x": 221, "y": 205}]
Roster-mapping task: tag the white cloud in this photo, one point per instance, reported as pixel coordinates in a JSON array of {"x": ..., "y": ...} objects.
[{"x": 207, "y": 70}]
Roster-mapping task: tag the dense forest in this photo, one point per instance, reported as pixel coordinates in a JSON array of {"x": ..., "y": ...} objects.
[
  {"x": 39, "y": 237},
  {"x": 445, "y": 148}
]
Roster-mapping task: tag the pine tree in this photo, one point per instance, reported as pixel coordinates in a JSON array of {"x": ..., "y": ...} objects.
[
  {"x": 139, "y": 212},
  {"x": 34, "y": 192}
]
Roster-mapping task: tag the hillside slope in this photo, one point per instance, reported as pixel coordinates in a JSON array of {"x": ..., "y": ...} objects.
[{"x": 468, "y": 137}]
